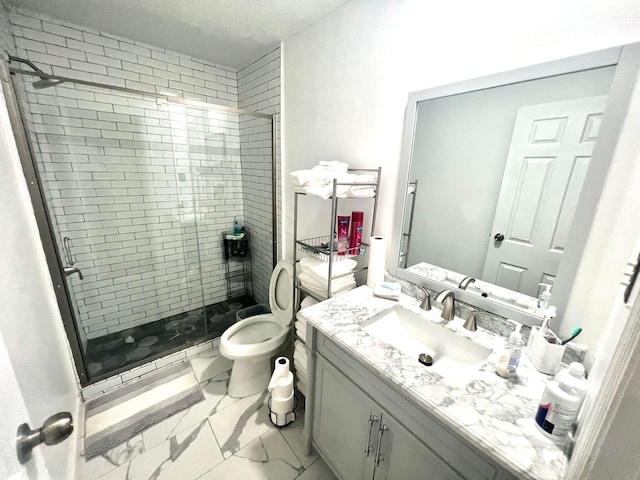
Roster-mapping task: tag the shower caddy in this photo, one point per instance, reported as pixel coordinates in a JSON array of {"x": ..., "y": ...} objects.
[
  {"x": 324, "y": 247},
  {"x": 237, "y": 264}
]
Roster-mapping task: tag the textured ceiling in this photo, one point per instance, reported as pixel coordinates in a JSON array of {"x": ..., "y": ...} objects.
[{"x": 227, "y": 32}]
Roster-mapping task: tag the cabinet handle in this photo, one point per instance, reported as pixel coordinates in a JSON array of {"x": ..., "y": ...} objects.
[
  {"x": 372, "y": 420},
  {"x": 379, "y": 457}
]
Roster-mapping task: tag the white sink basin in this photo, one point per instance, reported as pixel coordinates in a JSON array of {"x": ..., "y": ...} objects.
[{"x": 454, "y": 357}]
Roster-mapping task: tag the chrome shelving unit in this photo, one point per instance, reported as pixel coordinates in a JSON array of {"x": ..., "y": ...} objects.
[{"x": 325, "y": 247}]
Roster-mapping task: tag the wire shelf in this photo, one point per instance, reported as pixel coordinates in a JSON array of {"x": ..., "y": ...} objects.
[{"x": 318, "y": 247}]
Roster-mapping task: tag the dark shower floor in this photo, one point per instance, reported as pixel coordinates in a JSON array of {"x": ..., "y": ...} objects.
[{"x": 116, "y": 351}]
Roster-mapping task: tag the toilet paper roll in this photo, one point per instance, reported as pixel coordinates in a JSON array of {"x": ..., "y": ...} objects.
[
  {"x": 377, "y": 259},
  {"x": 280, "y": 375},
  {"x": 284, "y": 388},
  {"x": 281, "y": 406}
]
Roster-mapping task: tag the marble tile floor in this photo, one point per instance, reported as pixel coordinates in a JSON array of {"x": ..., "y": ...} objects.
[
  {"x": 219, "y": 438},
  {"x": 109, "y": 353}
]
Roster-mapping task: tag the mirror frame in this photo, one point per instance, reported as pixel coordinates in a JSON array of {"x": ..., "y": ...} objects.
[{"x": 627, "y": 59}]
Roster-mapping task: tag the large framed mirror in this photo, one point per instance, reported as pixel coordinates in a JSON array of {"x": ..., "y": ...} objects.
[{"x": 498, "y": 178}]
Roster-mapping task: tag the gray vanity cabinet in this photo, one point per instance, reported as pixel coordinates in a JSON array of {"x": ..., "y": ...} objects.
[
  {"x": 360, "y": 440},
  {"x": 365, "y": 429},
  {"x": 346, "y": 423}
]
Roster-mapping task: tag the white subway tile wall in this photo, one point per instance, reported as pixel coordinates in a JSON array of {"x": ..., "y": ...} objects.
[
  {"x": 143, "y": 189},
  {"x": 259, "y": 91},
  {"x": 7, "y": 43}
]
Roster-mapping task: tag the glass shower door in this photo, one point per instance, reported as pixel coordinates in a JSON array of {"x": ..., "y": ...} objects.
[{"x": 111, "y": 181}]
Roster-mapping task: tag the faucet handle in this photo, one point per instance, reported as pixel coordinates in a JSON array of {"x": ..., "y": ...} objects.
[
  {"x": 426, "y": 299},
  {"x": 470, "y": 323}
]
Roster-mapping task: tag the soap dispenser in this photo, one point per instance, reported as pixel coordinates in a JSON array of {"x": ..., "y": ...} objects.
[
  {"x": 507, "y": 362},
  {"x": 543, "y": 298}
]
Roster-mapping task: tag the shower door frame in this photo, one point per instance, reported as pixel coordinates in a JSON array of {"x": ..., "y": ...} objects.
[{"x": 43, "y": 220}]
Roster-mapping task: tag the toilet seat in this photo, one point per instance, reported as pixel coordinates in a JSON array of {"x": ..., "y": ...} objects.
[{"x": 281, "y": 291}]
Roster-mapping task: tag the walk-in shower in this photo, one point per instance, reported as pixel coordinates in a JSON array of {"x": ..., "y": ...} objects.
[{"x": 134, "y": 193}]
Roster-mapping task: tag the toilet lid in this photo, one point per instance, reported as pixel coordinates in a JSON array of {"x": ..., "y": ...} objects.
[{"x": 281, "y": 292}]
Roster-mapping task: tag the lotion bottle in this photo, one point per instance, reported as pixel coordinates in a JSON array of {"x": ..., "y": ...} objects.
[{"x": 507, "y": 363}]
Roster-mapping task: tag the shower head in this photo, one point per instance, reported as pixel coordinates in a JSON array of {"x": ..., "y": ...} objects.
[{"x": 45, "y": 83}]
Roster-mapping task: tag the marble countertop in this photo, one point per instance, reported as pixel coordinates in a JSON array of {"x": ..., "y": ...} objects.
[{"x": 492, "y": 413}]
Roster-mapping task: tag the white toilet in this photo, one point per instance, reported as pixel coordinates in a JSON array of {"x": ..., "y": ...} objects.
[{"x": 252, "y": 342}]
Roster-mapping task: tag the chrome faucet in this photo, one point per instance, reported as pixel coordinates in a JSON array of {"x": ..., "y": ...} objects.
[
  {"x": 447, "y": 298},
  {"x": 71, "y": 270},
  {"x": 426, "y": 299},
  {"x": 465, "y": 282},
  {"x": 471, "y": 324}
]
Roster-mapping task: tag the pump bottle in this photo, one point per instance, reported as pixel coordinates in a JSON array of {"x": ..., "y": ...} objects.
[
  {"x": 507, "y": 363},
  {"x": 543, "y": 298}
]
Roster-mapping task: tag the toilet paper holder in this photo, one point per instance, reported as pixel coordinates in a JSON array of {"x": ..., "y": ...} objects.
[{"x": 287, "y": 418}]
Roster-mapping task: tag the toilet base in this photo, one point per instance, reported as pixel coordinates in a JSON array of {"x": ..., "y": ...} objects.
[{"x": 248, "y": 377}]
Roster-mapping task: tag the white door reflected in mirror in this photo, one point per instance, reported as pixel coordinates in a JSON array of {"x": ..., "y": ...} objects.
[{"x": 548, "y": 159}]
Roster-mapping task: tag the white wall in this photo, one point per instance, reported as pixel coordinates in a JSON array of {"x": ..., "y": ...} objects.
[
  {"x": 30, "y": 323},
  {"x": 259, "y": 91}
]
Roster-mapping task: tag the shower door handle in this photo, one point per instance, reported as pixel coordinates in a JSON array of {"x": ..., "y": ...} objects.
[{"x": 66, "y": 247}]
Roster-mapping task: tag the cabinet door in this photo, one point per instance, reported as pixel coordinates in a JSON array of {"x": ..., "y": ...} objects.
[
  {"x": 404, "y": 457},
  {"x": 341, "y": 428}
]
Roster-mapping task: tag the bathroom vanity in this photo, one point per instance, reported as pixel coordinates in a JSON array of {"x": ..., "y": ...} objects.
[{"x": 374, "y": 411}]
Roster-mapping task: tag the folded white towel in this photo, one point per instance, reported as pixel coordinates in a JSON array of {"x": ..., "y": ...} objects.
[
  {"x": 361, "y": 192},
  {"x": 317, "y": 281},
  {"x": 322, "y": 191},
  {"x": 301, "y": 177},
  {"x": 390, "y": 290},
  {"x": 318, "y": 181},
  {"x": 300, "y": 358},
  {"x": 322, "y": 294},
  {"x": 338, "y": 284},
  {"x": 301, "y": 330},
  {"x": 353, "y": 178},
  {"x": 302, "y": 387},
  {"x": 335, "y": 165},
  {"x": 321, "y": 269},
  {"x": 298, "y": 346},
  {"x": 307, "y": 302},
  {"x": 301, "y": 375},
  {"x": 300, "y": 365}
]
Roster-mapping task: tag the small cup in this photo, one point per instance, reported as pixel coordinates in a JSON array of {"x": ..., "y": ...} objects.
[{"x": 545, "y": 356}]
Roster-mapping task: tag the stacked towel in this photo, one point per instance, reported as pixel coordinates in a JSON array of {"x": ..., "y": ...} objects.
[
  {"x": 314, "y": 276},
  {"x": 319, "y": 181},
  {"x": 307, "y": 302},
  {"x": 300, "y": 363},
  {"x": 301, "y": 328}
]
